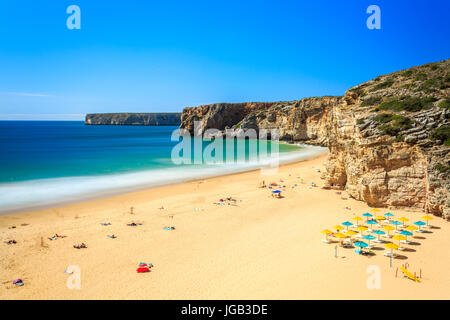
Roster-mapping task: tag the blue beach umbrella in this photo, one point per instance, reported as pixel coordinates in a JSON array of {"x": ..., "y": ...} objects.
[
  {"x": 347, "y": 224},
  {"x": 369, "y": 237},
  {"x": 406, "y": 234},
  {"x": 379, "y": 233},
  {"x": 388, "y": 215},
  {"x": 360, "y": 244},
  {"x": 276, "y": 191},
  {"x": 367, "y": 215},
  {"x": 396, "y": 223},
  {"x": 371, "y": 222},
  {"x": 419, "y": 223}
]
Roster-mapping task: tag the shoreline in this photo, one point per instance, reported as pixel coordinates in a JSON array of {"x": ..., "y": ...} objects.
[
  {"x": 259, "y": 247},
  {"x": 315, "y": 151}
]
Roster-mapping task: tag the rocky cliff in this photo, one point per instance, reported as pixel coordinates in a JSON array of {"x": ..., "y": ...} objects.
[
  {"x": 389, "y": 138},
  {"x": 138, "y": 119}
]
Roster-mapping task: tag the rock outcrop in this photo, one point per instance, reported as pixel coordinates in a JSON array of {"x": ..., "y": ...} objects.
[
  {"x": 135, "y": 119},
  {"x": 389, "y": 138}
]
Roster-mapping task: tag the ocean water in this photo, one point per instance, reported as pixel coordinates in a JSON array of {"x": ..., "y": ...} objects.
[{"x": 46, "y": 163}]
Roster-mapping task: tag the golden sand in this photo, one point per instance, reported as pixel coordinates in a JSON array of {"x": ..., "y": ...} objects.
[{"x": 259, "y": 248}]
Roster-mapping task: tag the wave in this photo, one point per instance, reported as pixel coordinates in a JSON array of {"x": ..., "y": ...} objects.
[{"x": 44, "y": 193}]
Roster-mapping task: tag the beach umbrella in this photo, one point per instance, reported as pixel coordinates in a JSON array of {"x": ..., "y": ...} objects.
[
  {"x": 276, "y": 191},
  {"x": 357, "y": 218},
  {"x": 420, "y": 224},
  {"x": 427, "y": 218},
  {"x": 411, "y": 228},
  {"x": 388, "y": 215},
  {"x": 327, "y": 233},
  {"x": 388, "y": 228},
  {"x": 396, "y": 223},
  {"x": 338, "y": 227},
  {"x": 379, "y": 233},
  {"x": 369, "y": 237},
  {"x": 361, "y": 245},
  {"x": 361, "y": 228},
  {"x": 371, "y": 222},
  {"x": 406, "y": 234},
  {"x": 380, "y": 217},
  {"x": 375, "y": 210},
  {"x": 403, "y": 220},
  {"x": 340, "y": 235},
  {"x": 347, "y": 224},
  {"x": 351, "y": 233},
  {"x": 399, "y": 237},
  {"x": 391, "y": 246},
  {"x": 367, "y": 215}
]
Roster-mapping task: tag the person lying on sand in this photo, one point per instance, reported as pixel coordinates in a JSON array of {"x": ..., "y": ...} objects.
[
  {"x": 169, "y": 228},
  {"x": 133, "y": 224},
  {"x": 56, "y": 237},
  {"x": 80, "y": 246},
  {"x": 105, "y": 223},
  {"x": 11, "y": 242},
  {"x": 112, "y": 236}
]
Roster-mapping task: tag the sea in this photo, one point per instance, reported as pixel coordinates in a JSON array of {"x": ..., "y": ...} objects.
[{"x": 50, "y": 163}]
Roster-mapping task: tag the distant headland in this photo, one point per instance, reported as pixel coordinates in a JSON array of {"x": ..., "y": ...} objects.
[{"x": 134, "y": 119}]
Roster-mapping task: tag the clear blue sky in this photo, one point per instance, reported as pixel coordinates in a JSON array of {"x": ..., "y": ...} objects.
[{"x": 161, "y": 56}]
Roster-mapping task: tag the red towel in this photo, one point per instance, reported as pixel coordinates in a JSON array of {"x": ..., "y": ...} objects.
[{"x": 143, "y": 269}]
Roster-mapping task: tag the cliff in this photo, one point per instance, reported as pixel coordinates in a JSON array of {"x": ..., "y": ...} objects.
[
  {"x": 136, "y": 119},
  {"x": 389, "y": 138}
]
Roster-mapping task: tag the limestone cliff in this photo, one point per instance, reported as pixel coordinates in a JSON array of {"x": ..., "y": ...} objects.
[
  {"x": 388, "y": 138},
  {"x": 138, "y": 119}
]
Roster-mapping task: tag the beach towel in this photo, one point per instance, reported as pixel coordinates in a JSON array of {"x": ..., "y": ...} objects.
[{"x": 143, "y": 269}]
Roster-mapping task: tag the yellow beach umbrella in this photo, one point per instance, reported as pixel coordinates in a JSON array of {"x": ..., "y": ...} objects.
[
  {"x": 399, "y": 237},
  {"x": 375, "y": 210},
  {"x": 351, "y": 233},
  {"x": 338, "y": 227},
  {"x": 391, "y": 246},
  {"x": 412, "y": 228},
  {"x": 403, "y": 219},
  {"x": 327, "y": 232},
  {"x": 388, "y": 228},
  {"x": 427, "y": 218},
  {"x": 340, "y": 235},
  {"x": 362, "y": 228},
  {"x": 357, "y": 218}
]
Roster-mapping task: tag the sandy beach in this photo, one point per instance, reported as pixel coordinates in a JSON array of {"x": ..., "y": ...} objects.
[{"x": 259, "y": 247}]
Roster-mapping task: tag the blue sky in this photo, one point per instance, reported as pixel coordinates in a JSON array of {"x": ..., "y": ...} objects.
[{"x": 161, "y": 56}]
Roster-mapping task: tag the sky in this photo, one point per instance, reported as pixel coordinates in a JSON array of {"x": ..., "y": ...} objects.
[{"x": 162, "y": 56}]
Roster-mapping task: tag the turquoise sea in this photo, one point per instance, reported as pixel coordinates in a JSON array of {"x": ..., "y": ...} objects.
[{"x": 46, "y": 163}]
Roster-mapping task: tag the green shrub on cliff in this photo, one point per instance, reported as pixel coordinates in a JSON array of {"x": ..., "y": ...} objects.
[
  {"x": 442, "y": 134},
  {"x": 372, "y": 101},
  {"x": 411, "y": 104},
  {"x": 393, "y": 123},
  {"x": 442, "y": 168},
  {"x": 445, "y": 103},
  {"x": 385, "y": 84}
]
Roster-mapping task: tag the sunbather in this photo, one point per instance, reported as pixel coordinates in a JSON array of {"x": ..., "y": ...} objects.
[{"x": 80, "y": 246}]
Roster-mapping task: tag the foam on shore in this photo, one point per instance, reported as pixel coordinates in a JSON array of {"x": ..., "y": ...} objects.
[{"x": 43, "y": 193}]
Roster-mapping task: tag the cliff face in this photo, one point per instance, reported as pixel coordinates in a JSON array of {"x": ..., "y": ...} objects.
[
  {"x": 138, "y": 119},
  {"x": 388, "y": 138}
]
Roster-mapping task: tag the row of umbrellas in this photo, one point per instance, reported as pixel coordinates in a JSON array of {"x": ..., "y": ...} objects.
[{"x": 402, "y": 236}]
